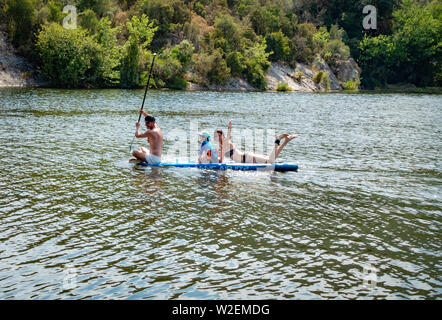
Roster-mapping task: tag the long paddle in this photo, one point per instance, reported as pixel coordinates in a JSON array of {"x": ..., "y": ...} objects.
[{"x": 145, "y": 92}]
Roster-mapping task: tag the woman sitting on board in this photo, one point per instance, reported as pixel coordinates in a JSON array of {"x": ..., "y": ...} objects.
[
  {"x": 228, "y": 149},
  {"x": 208, "y": 153}
]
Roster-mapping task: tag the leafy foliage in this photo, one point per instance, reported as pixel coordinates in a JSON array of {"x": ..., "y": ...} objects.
[
  {"x": 412, "y": 53},
  {"x": 141, "y": 33},
  {"x": 214, "y": 40},
  {"x": 70, "y": 58},
  {"x": 278, "y": 45},
  {"x": 171, "y": 66},
  {"x": 21, "y": 15},
  {"x": 322, "y": 77},
  {"x": 351, "y": 85},
  {"x": 283, "y": 87}
]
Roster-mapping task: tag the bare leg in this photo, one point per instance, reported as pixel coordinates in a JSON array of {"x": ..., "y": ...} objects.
[
  {"x": 140, "y": 153},
  {"x": 276, "y": 147},
  {"x": 286, "y": 140},
  {"x": 255, "y": 158}
]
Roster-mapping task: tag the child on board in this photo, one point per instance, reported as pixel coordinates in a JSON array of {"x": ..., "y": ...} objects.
[{"x": 208, "y": 153}]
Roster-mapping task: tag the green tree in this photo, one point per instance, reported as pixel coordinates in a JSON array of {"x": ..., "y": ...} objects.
[
  {"x": 213, "y": 68},
  {"x": 418, "y": 43},
  {"x": 329, "y": 44},
  {"x": 69, "y": 58},
  {"x": 55, "y": 13},
  {"x": 218, "y": 72},
  {"x": 169, "y": 15},
  {"x": 412, "y": 53},
  {"x": 305, "y": 45},
  {"x": 199, "y": 8},
  {"x": 227, "y": 32},
  {"x": 22, "y": 15},
  {"x": 234, "y": 61},
  {"x": 88, "y": 20},
  {"x": 263, "y": 21},
  {"x": 100, "y": 7},
  {"x": 130, "y": 72},
  {"x": 256, "y": 64},
  {"x": 106, "y": 36},
  {"x": 169, "y": 71},
  {"x": 375, "y": 60},
  {"x": 278, "y": 45},
  {"x": 183, "y": 53},
  {"x": 172, "y": 64},
  {"x": 141, "y": 33}
]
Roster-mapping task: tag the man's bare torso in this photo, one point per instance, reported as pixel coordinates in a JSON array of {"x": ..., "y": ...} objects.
[{"x": 155, "y": 140}]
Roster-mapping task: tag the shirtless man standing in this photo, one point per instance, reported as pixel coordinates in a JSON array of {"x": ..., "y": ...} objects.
[{"x": 154, "y": 138}]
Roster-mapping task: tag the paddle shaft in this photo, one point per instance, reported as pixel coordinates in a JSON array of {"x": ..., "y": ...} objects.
[
  {"x": 144, "y": 98},
  {"x": 147, "y": 85}
]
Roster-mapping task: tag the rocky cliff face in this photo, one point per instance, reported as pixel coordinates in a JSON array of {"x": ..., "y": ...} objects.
[
  {"x": 347, "y": 70},
  {"x": 300, "y": 79},
  {"x": 15, "y": 71}
]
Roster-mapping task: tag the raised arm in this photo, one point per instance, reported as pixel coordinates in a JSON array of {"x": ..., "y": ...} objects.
[
  {"x": 141, "y": 135},
  {"x": 229, "y": 132},
  {"x": 229, "y": 136},
  {"x": 143, "y": 112},
  {"x": 137, "y": 132}
]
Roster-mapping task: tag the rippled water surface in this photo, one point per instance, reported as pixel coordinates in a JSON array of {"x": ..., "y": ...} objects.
[{"x": 360, "y": 219}]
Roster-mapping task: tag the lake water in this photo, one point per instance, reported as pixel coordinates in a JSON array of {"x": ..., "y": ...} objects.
[{"x": 361, "y": 219}]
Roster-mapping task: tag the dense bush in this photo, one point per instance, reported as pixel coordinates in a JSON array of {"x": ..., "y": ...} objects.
[
  {"x": 278, "y": 45},
  {"x": 88, "y": 20},
  {"x": 256, "y": 63},
  {"x": 283, "y": 87},
  {"x": 335, "y": 50},
  {"x": 298, "y": 76},
  {"x": 168, "y": 71},
  {"x": 214, "y": 40},
  {"x": 227, "y": 34},
  {"x": 213, "y": 68},
  {"x": 21, "y": 16},
  {"x": 55, "y": 13},
  {"x": 130, "y": 71},
  {"x": 376, "y": 60},
  {"x": 100, "y": 7},
  {"x": 330, "y": 45},
  {"x": 70, "y": 58},
  {"x": 107, "y": 37},
  {"x": 171, "y": 66},
  {"x": 234, "y": 61},
  {"x": 412, "y": 53},
  {"x": 168, "y": 15},
  {"x": 322, "y": 77},
  {"x": 304, "y": 42},
  {"x": 141, "y": 33},
  {"x": 351, "y": 86}
]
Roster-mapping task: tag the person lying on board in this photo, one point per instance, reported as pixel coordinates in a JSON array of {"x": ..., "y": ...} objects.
[
  {"x": 208, "y": 153},
  {"x": 228, "y": 149},
  {"x": 154, "y": 138}
]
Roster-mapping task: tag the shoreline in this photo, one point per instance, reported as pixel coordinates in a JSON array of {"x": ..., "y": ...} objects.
[{"x": 424, "y": 90}]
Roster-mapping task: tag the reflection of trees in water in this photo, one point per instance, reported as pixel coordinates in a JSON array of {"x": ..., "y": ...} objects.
[
  {"x": 214, "y": 185},
  {"x": 149, "y": 182}
]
